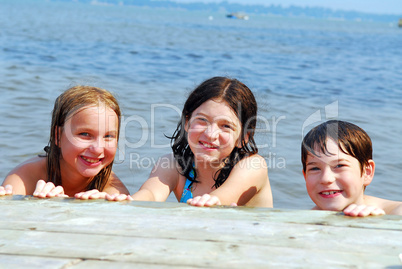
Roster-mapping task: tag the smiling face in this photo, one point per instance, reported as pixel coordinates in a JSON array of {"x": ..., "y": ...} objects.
[
  {"x": 213, "y": 132},
  {"x": 334, "y": 180},
  {"x": 88, "y": 141}
]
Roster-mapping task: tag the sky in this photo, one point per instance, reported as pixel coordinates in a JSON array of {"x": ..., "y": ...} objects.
[{"x": 369, "y": 6}]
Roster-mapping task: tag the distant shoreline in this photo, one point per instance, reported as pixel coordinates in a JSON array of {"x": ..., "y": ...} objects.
[{"x": 225, "y": 7}]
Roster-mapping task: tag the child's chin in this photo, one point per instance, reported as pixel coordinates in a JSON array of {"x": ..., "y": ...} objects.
[
  {"x": 213, "y": 161},
  {"x": 91, "y": 173},
  {"x": 330, "y": 207}
]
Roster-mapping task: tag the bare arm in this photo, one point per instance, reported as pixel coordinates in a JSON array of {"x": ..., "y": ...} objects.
[
  {"x": 161, "y": 182},
  {"x": 397, "y": 210},
  {"x": 248, "y": 184}
]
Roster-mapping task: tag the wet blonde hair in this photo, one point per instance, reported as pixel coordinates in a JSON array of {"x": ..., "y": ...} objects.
[{"x": 65, "y": 106}]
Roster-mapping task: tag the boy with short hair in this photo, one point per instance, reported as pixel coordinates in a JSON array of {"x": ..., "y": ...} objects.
[{"x": 337, "y": 166}]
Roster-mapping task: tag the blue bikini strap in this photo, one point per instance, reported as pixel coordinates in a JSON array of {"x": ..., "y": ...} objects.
[{"x": 187, "y": 194}]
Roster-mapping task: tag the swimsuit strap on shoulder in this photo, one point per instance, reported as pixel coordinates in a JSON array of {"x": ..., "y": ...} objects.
[{"x": 187, "y": 194}]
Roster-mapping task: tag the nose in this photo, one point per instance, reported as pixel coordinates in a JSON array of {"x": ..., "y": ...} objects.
[
  {"x": 212, "y": 131},
  {"x": 97, "y": 145},
  {"x": 327, "y": 176}
]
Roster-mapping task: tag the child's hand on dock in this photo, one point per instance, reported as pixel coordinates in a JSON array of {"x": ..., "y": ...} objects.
[
  {"x": 118, "y": 197},
  {"x": 92, "y": 194},
  {"x": 354, "y": 210},
  {"x": 6, "y": 190},
  {"x": 48, "y": 190},
  {"x": 204, "y": 200}
]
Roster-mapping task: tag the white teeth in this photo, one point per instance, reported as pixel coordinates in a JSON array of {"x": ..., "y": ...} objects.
[
  {"x": 329, "y": 192},
  {"x": 90, "y": 160},
  {"x": 207, "y": 145}
]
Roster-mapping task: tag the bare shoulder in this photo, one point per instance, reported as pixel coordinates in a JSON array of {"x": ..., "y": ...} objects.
[
  {"x": 252, "y": 173},
  {"x": 23, "y": 177},
  {"x": 167, "y": 166},
  {"x": 167, "y": 161},
  {"x": 390, "y": 207},
  {"x": 253, "y": 166},
  {"x": 33, "y": 167},
  {"x": 255, "y": 158}
]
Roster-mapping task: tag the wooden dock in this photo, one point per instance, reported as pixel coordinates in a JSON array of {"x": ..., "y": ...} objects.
[{"x": 69, "y": 233}]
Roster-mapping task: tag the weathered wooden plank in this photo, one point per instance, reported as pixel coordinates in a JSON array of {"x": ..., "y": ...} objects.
[
  {"x": 96, "y": 264},
  {"x": 240, "y": 231},
  {"x": 23, "y": 262},
  {"x": 212, "y": 254},
  {"x": 171, "y": 235},
  {"x": 114, "y": 209},
  {"x": 185, "y": 227},
  {"x": 19, "y": 261}
]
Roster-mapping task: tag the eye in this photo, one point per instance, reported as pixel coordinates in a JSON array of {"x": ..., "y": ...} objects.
[
  {"x": 228, "y": 126},
  {"x": 110, "y": 136},
  {"x": 313, "y": 168},
  {"x": 84, "y": 134},
  {"x": 340, "y": 165},
  {"x": 200, "y": 120}
]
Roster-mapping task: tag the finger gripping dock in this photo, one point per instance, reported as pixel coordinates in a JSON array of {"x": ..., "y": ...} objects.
[{"x": 69, "y": 233}]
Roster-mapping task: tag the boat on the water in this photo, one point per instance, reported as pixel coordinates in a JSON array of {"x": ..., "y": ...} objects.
[
  {"x": 400, "y": 22},
  {"x": 237, "y": 15}
]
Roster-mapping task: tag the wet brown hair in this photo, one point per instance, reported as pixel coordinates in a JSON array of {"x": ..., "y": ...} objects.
[
  {"x": 241, "y": 100},
  {"x": 66, "y": 105},
  {"x": 351, "y": 140}
]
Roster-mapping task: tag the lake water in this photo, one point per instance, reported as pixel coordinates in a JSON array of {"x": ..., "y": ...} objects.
[{"x": 301, "y": 71}]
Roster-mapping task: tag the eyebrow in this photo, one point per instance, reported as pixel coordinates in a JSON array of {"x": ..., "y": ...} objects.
[
  {"x": 84, "y": 128},
  {"x": 227, "y": 121},
  {"x": 334, "y": 161},
  {"x": 343, "y": 160},
  {"x": 220, "y": 118},
  {"x": 200, "y": 114}
]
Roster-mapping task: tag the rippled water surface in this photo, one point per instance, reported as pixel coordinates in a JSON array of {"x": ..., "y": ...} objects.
[{"x": 151, "y": 58}]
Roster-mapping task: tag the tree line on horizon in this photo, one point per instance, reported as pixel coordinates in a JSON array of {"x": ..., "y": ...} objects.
[{"x": 278, "y": 10}]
